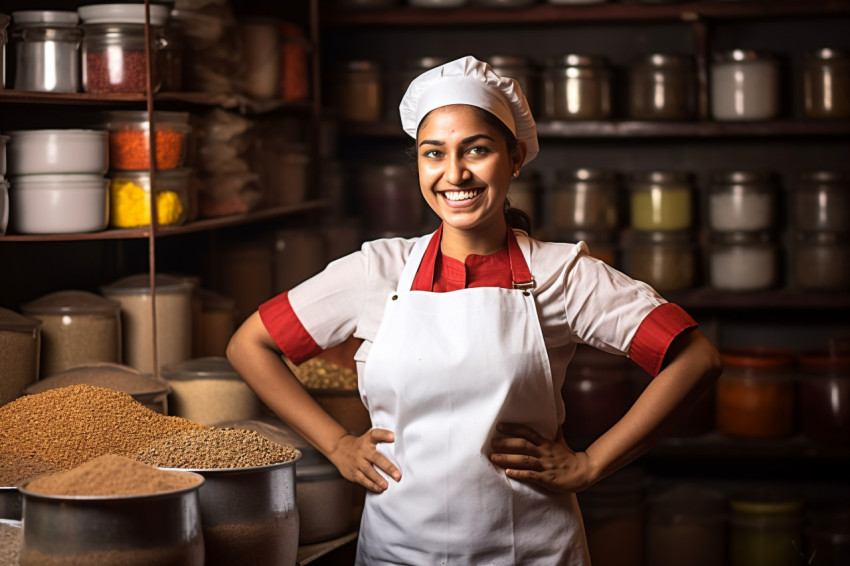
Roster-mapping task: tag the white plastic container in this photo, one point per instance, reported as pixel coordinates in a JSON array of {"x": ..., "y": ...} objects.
[
  {"x": 122, "y": 14},
  {"x": 39, "y": 152},
  {"x": 58, "y": 204},
  {"x": 744, "y": 85}
]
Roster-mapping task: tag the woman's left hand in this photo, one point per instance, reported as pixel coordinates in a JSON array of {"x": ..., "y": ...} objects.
[{"x": 528, "y": 457}]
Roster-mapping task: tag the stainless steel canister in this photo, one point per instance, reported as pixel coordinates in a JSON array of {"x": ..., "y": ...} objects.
[
  {"x": 249, "y": 515},
  {"x": 47, "y": 51}
]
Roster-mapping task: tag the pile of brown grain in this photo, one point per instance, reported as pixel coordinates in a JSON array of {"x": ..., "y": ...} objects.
[
  {"x": 112, "y": 475},
  {"x": 216, "y": 448}
]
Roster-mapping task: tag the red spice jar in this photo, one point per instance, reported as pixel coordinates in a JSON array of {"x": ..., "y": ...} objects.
[
  {"x": 129, "y": 139},
  {"x": 294, "y": 59},
  {"x": 114, "y": 60},
  {"x": 755, "y": 393},
  {"x": 825, "y": 398}
]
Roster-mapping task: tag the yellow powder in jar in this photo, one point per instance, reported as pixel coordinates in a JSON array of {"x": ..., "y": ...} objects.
[
  {"x": 668, "y": 209},
  {"x": 130, "y": 206}
]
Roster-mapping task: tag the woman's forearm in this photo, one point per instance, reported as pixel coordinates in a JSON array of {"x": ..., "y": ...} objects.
[
  {"x": 693, "y": 366},
  {"x": 257, "y": 359}
]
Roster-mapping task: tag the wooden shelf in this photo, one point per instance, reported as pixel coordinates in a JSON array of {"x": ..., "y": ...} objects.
[
  {"x": 716, "y": 445},
  {"x": 638, "y": 129},
  {"x": 311, "y": 553},
  {"x": 196, "y": 226},
  {"x": 551, "y": 14}
]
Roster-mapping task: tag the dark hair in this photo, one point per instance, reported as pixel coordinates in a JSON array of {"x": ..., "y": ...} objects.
[{"x": 515, "y": 217}]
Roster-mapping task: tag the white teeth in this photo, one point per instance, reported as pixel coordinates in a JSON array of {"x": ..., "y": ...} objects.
[{"x": 460, "y": 195}]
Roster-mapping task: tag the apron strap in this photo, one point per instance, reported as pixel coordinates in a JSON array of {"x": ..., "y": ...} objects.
[{"x": 521, "y": 277}]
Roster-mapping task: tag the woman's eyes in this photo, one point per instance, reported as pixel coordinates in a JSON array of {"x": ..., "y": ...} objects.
[{"x": 477, "y": 150}]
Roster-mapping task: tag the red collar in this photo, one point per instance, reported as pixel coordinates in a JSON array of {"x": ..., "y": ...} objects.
[{"x": 424, "y": 280}]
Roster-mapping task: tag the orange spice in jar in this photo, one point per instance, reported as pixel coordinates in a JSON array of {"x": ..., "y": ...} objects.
[
  {"x": 755, "y": 393},
  {"x": 129, "y": 139},
  {"x": 294, "y": 60}
]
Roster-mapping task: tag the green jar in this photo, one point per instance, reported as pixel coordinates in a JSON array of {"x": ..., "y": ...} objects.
[
  {"x": 765, "y": 532},
  {"x": 661, "y": 200}
]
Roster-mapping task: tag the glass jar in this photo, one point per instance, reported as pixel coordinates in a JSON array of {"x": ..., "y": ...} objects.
[
  {"x": 359, "y": 92},
  {"x": 78, "y": 327},
  {"x": 662, "y": 86},
  {"x": 520, "y": 69},
  {"x": 661, "y": 200},
  {"x": 47, "y": 51},
  {"x": 825, "y": 398},
  {"x": 822, "y": 261},
  {"x": 822, "y": 201},
  {"x": 171, "y": 56},
  {"x": 744, "y": 85},
  {"x": 286, "y": 174},
  {"x": 613, "y": 518},
  {"x": 666, "y": 260},
  {"x": 577, "y": 87},
  {"x": 597, "y": 392},
  {"x": 585, "y": 199},
  {"x": 173, "y": 319},
  {"x": 4, "y": 24},
  {"x": 742, "y": 261},
  {"x": 294, "y": 60},
  {"x": 130, "y": 202},
  {"x": 686, "y": 520},
  {"x": 415, "y": 67},
  {"x": 390, "y": 201},
  {"x": 129, "y": 139},
  {"x": 114, "y": 60},
  {"x": 755, "y": 393},
  {"x": 741, "y": 200},
  {"x": 826, "y": 84},
  {"x": 765, "y": 532},
  {"x": 20, "y": 353}
]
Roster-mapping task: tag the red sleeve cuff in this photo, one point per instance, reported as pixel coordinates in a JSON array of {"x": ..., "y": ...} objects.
[
  {"x": 656, "y": 333},
  {"x": 286, "y": 329}
]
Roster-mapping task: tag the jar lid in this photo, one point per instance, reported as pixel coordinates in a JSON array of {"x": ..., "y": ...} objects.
[
  {"x": 59, "y": 180},
  {"x": 140, "y": 285},
  {"x": 667, "y": 60},
  {"x": 10, "y": 320},
  {"x": 828, "y": 54},
  {"x": 179, "y": 174},
  {"x": 103, "y": 374},
  {"x": 682, "y": 502},
  {"x": 758, "y": 357},
  {"x": 577, "y": 60},
  {"x": 72, "y": 302},
  {"x": 361, "y": 65},
  {"x": 212, "y": 367},
  {"x": 426, "y": 62},
  {"x": 740, "y": 237},
  {"x": 140, "y": 117},
  {"x": 66, "y": 135},
  {"x": 825, "y": 362},
  {"x": 586, "y": 174},
  {"x": 122, "y": 14},
  {"x": 825, "y": 176},
  {"x": 741, "y": 177},
  {"x": 508, "y": 61},
  {"x": 742, "y": 55},
  {"x": 660, "y": 237},
  {"x": 823, "y": 238},
  {"x": 39, "y": 17},
  {"x": 777, "y": 505},
  {"x": 659, "y": 177}
]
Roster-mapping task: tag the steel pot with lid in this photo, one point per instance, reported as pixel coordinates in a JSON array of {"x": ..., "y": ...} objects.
[
  {"x": 78, "y": 327},
  {"x": 148, "y": 390},
  {"x": 20, "y": 348}
]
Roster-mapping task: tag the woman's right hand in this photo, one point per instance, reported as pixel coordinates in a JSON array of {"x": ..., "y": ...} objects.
[{"x": 357, "y": 457}]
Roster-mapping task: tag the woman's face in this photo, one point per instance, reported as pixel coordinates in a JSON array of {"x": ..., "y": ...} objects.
[{"x": 464, "y": 167}]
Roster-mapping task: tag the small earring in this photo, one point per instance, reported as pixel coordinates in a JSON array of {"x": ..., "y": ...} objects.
[{"x": 515, "y": 174}]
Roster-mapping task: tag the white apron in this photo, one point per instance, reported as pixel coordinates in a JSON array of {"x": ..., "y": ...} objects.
[{"x": 443, "y": 370}]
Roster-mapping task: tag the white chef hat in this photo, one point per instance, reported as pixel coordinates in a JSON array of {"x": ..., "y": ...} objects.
[{"x": 470, "y": 81}]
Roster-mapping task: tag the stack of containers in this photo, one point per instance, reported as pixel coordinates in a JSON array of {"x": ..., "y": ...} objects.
[
  {"x": 56, "y": 181},
  {"x": 659, "y": 247},
  {"x": 743, "y": 254},
  {"x": 821, "y": 229},
  {"x": 130, "y": 178},
  {"x": 585, "y": 206}
]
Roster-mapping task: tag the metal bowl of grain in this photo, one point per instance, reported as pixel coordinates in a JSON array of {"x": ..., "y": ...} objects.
[{"x": 127, "y": 513}]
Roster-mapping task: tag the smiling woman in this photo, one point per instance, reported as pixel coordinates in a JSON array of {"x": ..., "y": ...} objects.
[{"x": 466, "y": 335}]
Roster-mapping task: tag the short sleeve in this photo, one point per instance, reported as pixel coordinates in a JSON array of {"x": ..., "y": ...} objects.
[{"x": 320, "y": 312}]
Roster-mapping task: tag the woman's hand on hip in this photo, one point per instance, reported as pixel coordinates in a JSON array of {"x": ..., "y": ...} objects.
[
  {"x": 528, "y": 457},
  {"x": 357, "y": 457}
]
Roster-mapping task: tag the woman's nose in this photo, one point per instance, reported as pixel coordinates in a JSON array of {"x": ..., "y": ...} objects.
[{"x": 456, "y": 172}]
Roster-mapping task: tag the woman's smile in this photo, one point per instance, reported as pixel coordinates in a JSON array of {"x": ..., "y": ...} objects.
[{"x": 459, "y": 198}]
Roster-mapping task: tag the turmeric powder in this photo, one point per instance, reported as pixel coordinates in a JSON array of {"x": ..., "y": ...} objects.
[{"x": 130, "y": 205}]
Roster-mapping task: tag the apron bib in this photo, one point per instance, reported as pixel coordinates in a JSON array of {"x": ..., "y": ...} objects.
[{"x": 443, "y": 370}]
